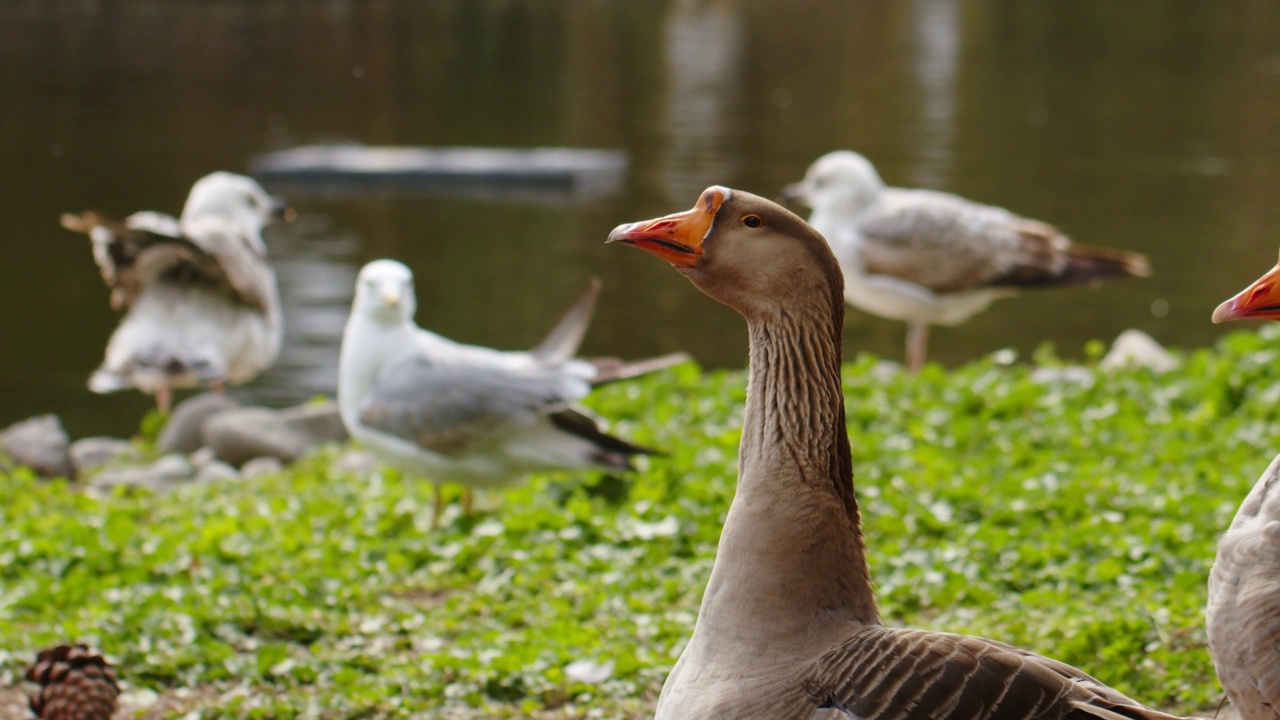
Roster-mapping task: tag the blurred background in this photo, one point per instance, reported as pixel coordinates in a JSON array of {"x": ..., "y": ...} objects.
[{"x": 1146, "y": 125}]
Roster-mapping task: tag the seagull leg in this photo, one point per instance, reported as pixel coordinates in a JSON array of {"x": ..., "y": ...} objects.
[
  {"x": 917, "y": 341},
  {"x": 164, "y": 399}
]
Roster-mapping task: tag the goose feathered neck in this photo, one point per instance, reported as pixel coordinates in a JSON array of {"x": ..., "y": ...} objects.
[{"x": 792, "y": 548}]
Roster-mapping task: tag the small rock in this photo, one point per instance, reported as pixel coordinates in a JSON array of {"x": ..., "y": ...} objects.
[
  {"x": 173, "y": 465},
  {"x": 886, "y": 370},
  {"x": 1134, "y": 348},
  {"x": 202, "y": 457},
  {"x": 184, "y": 431},
  {"x": 319, "y": 421},
  {"x": 94, "y": 452},
  {"x": 163, "y": 474},
  {"x": 260, "y": 467},
  {"x": 589, "y": 672},
  {"x": 215, "y": 470},
  {"x": 1064, "y": 375},
  {"x": 355, "y": 462},
  {"x": 41, "y": 444},
  {"x": 238, "y": 436}
]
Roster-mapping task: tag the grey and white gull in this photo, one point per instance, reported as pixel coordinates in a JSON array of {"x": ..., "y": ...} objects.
[
  {"x": 934, "y": 258},
  {"x": 470, "y": 415},
  {"x": 201, "y": 304}
]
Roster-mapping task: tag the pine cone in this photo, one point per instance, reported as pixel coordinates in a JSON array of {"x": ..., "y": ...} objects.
[{"x": 75, "y": 684}]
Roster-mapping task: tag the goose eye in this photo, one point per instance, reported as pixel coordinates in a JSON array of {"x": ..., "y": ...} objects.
[{"x": 752, "y": 221}]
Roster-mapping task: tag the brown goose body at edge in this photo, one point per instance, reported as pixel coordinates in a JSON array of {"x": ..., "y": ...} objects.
[
  {"x": 1242, "y": 618},
  {"x": 788, "y": 628}
]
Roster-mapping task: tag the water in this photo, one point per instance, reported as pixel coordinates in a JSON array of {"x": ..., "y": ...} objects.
[{"x": 1143, "y": 125}]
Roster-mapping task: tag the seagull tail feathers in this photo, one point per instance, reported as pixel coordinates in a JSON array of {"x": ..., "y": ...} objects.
[
  {"x": 609, "y": 369},
  {"x": 1086, "y": 264},
  {"x": 611, "y": 451},
  {"x": 562, "y": 342}
]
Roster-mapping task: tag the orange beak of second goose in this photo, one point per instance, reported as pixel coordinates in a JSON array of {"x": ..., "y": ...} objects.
[
  {"x": 1259, "y": 300},
  {"x": 675, "y": 238}
]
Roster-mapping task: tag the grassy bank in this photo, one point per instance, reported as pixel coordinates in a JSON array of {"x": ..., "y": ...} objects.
[{"x": 1069, "y": 511}]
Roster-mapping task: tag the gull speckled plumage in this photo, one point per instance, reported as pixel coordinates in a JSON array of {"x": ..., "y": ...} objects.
[
  {"x": 933, "y": 258},
  {"x": 200, "y": 298}
]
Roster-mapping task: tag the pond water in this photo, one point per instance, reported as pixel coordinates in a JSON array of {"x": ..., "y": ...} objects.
[{"x": 1143, "y": 125}]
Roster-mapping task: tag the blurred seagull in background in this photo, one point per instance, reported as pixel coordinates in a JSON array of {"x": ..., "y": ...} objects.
[
  {"x": 202, "y": 304},
  {"x": 933, "y": 258},
  {"x": 470, "y": 415}
]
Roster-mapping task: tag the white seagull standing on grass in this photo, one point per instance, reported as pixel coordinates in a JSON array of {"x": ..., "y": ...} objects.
[
  {"x": 471, "y": 415},
  {"x": 203, "y": 308},
  {"x": 933, "y": 258}
]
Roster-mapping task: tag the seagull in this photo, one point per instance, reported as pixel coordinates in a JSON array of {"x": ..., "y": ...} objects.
[
  {"x": 201, "y": 299},
  {"x": 933, "y": 258},
  {"x": 471, "y": 415}
]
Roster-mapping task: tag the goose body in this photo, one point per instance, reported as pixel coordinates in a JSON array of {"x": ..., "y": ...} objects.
[
  {"x": 788, "y": 628},
  {"x": 1242, "y": 618},
  {"x": 471, "y": 415},
  {"x": 200, "y": 299},
  {"x": 934, "y": 258}
]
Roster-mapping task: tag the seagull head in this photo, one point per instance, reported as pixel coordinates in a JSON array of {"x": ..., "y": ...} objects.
[
  {"x": 840, "y": 182},
  {"x": 237, "y": 198},
  {"x": 384, "y": 293}
]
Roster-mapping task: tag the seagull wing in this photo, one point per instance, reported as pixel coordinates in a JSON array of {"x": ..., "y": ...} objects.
[
  {"x": 948, "y": 244},
  {"x": 243, "y": 269},
  {"x": 457, "y": 403},
  {"x": 140, "y": 250}
]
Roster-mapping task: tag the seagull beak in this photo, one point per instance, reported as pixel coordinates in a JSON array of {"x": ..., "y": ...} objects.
[
  {"x": 391, "y": 298},
  {"x": 793, "y": 194},
  {"x": 1259, "y": 300},
  {"x": 675, "y": 238},
  {"x": 280, "y": 209}
]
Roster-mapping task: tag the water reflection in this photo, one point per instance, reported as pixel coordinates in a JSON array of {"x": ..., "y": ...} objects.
[
  {"x": 314, "y": 266},
  {"x": 703, "y": 44},
  {"x": 937, "y": 33},
  {"x": 1144, "y": 125}
]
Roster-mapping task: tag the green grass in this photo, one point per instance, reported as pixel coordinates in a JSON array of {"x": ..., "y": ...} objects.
[{"x": 1074, "y": 514}]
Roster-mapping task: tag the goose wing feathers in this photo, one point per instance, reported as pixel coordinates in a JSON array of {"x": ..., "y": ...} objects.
[{"x": 885, "y": 673}]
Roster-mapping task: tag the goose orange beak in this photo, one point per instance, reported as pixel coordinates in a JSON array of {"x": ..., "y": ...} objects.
[
  {"x": 1259, "y": 300},
  {"x": 675, "y": 238}
]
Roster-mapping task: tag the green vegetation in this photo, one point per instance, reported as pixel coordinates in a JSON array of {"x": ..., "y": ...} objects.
[{"x": 1069, "y": 511}]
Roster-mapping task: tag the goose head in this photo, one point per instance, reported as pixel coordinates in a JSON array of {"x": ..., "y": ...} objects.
[
  {"x": 237, "y": 198},
  {"x": 1259, "y": 300},
  {"x": 384, "y": 293},
  {"x": 743, "y": 250},
  {"x": 841, "y": 182}
]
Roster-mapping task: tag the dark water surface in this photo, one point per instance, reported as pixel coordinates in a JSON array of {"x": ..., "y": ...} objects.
[{"x": 1145, "y": 125}]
